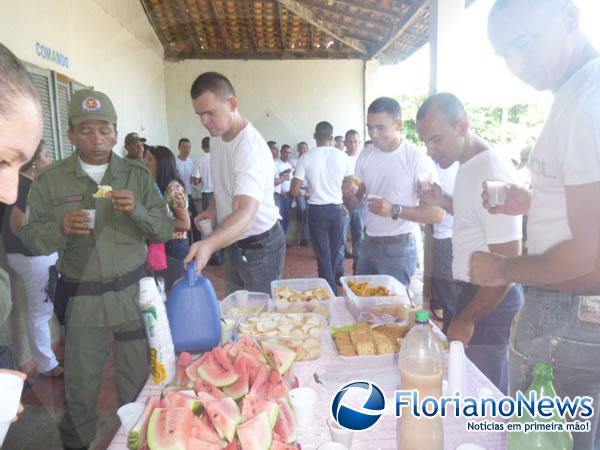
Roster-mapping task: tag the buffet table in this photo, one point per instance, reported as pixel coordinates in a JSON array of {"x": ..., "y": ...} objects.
[{"x": 328, "y": 373}]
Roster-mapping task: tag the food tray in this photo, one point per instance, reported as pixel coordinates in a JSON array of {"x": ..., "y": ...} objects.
[
  {"x": 322, "y": 307},
  {"x": 364, "y": 357},
  {"x": 238, "y": 305},
  {"x": 360, "y": 307},
  {"x": 284, "y": 329}
]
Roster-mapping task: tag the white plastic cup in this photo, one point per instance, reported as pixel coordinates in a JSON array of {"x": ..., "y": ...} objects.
[
  {"x": 206, "y": 228},
  {"x": 496, "y": 192},
  {"x": 374, "y": 197},
  {"x": 339, "y": 434},
  {"x": 129, "y": 414},
  {"x": 304, "y": 402},
  {"x": 457, "y": 369},
  {"x": 425, "y": 181},
  {"x": 332, "y": 446},
  {"x": 92, "y": 214},
  {"x": 11, "y": 387}
]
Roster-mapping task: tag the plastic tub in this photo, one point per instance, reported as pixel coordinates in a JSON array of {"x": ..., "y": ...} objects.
[
  {"x": 362, "y": 307},
  {"x": 322, "y": 307},
  {"x": 238, "y": 305},
  {"x": 302, "y": 332}
]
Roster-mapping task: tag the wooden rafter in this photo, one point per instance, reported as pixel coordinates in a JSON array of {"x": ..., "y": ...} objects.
[
  {"x": 369, "y": 7},
  {"x": 308, "y": 15},
  {"x": 250, "y": 24},
  {"x": 184, "y": 13},
  {"x": 341, "y": 12},
  {"x": 215, "y": 13},
  {"x": 280, "y": 25},
  {"x": 407, "y": 20}
]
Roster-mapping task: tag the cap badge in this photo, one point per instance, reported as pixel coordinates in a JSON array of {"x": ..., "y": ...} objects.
[{"x": 91, "y": 104}]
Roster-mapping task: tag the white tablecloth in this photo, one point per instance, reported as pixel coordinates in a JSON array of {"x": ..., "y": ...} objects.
[{"x": 383, "y": 435}]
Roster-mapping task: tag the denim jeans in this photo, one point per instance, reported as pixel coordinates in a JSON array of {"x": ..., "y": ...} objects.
[
  {"x": 285, "y": 207},
  {"x": 548, "y": 329},
  {"x": 397, "y": 259},
  {"x": 206, "y": 199},
  {"x": 343, "y": 246},
  {"x": 326, "y": 228},
  {"x": 488, "y": 348},
  {"x": 444, "y": 291},
  {"x": 254, "y": 269},
  {"x": 302, "y": 216}
]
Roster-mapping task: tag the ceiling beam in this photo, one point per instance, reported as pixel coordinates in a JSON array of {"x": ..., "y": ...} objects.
[
  {"x": 405, "y": 22},
  {"x": 189, "y": 23},
  {"x": 280, "y": 25},
  {"x": 308, "y": 15},
  {"x": 265, "y": 54},
  {"x": 153, "y": 22},
  {"x": 345, "y": 13},
  {"x": 250, "y": 23},
  {"x": 215, "y": 14},
  {"x": 359, "y": 4}
]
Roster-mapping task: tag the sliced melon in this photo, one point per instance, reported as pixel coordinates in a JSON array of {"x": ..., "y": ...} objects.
[
  {"x": 247, "y": 344},
  {"x": 252, "y": 364},
  {"x": 256, "y": 433},
  {"x": 277, "y": 387},
  {"x": 240, "y": 388},
  {"x": 198, "y": 444},
  {"x": 253, "y": 405},
  {"x": 192, "y": 370},
  {"x": 225, "y": 415},
  {"x": 169, "y": 428},
  {"x": 261, "y": 383},
  {"x": 286, "y": 422},
  {"x": 205, "y": 386},
  {"x": 203, "y": 430},
  {"x": 184, "y": 360},
  {"x": 184, "y": 398},
  {"x": 278, "y": 445},
  {"x": 137, "y": 436},
  {"x": 280, "y": 358},
  {"x": 217, "y": 369}
]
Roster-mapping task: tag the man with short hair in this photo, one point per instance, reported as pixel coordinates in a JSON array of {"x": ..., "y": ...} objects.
[
  {"x": 285, "y": 169},
  {"x": 339, "y": 143},
  {"x": 388, "y": 172},
  {"x": 544, "y": 46},
  {"x": 483, "y": 314},
  {"x": 202, "y": 176},
  {"x": 301, "y": 205},
  {"x": 185, "y": 167},
  {"x": 100, "y": 265},
  {"x": 326, "y": 171},
  {"x": 134, "y": 147},
  {"x": 243, "y": 207}
]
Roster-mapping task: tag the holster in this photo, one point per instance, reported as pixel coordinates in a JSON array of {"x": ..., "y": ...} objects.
[{"x": 58, "y": 294}]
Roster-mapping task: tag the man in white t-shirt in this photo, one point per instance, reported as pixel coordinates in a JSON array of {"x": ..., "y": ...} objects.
[
  {"x": 387, "y": 173},
  {"x": 301, "y": 204},
  {"x": 326, "y": 170},
  {"x": 483, "y": 314},
  {"x": 243, "y": 209},
  {"x": 201, "y": 178},
  {"x": 283, "y": 182},
  {"x": 185, "y": 167},
  {"x": 543, "y": 45}
]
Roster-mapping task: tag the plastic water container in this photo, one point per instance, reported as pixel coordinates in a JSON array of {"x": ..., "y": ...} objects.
[{"x": 194, "y": 313}]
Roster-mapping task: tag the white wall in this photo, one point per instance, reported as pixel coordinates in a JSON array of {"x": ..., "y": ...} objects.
[
  {"x": 110, "y": 45},
  {"x": 283, "y": 99}
]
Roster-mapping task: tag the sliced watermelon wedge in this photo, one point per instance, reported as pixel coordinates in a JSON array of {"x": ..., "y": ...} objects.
[
  {"x": 217, "y": 369},
  {"x": 253, "y": 405},
  {"x": 169, "y": 428},
  {"x": 184, "y": 360},
  {"x": 252, "y": 365},
  {"x": 225, "y": 415},
  {"x": 192, "y": 370},
  {"x": 198, "y": 444},
  {"x": 256, "y": 433},
  {"x": 278, "y": 445},
  {"x": 204, "y": 431},
  {"x": 137, "y": 436},
  {"x": 280, "y": 358},
  {"x": 247, "y": 344},
  {"x": 205, "y": 386},
  {"x": 286, "y": 422},
  {"x": 261, "y": 383},
  {"x": 186, "y": 398},
  {"x": 277, "y": 386},
  {"x": 240, "y": 388}
]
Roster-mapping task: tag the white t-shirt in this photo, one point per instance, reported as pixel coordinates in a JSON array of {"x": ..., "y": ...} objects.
[
  {"x": 447, "y": 178},
  {"x": 186, "y": 169},
  {"x": 474, "y": 227},
  {"x": 95, "y": 172},
  {"x": 567, "y": 153},
  {"x": 352, "y": 159},
  {"x": 324, "y": 169},
  {"x": 280, "y": 166},
  {"x": 393, "y": 176},
  {"x": 202, "y": 171},
  {"x": 244, "y": 166}
]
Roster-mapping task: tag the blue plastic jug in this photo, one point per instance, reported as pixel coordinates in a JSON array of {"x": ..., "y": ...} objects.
[{"x": 194, "y": 313}]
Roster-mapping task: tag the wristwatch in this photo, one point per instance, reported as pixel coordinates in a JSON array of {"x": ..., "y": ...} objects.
[{"x": 396, "y": 211}]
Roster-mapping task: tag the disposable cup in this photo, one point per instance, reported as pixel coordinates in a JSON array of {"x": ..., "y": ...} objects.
[
  {"x": 425, "y": 181},
  {"x": 339, "y": 434},
  {"x": 332, "y": 446},
  {"x": 496, "y": 192},
  {"x": 4, "y": 426},
  {"x": 374, "y": 197},
  {"x": 469, "y": 446},
  {"x": 304, "y": 402},
  {"x": 11, "y": 387},
  {"x": 129, "y": 414},
  {"x": 457, "y": 369},
  {"x": 92, "y": 214},
  {"x": 206, "y": 228}
]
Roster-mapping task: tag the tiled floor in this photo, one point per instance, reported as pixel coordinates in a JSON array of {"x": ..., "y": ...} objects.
[{"x": 37, "y": 427}]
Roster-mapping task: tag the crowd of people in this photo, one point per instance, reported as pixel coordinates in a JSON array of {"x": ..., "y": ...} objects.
[{"x": 511, "y": 309}]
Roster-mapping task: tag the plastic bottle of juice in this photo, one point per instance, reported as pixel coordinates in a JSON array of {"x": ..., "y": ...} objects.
[
  {"x": 421, "y": 363},
  {"x": 534, "y": 440}
]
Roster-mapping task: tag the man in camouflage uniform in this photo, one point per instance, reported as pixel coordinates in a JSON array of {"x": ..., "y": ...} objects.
[{"x": 100, "y": 265}]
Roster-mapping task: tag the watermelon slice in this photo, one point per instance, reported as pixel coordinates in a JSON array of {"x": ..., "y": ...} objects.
[
  {"x": 169, "y": 428},
  {"x": 256, "y": 433},
  {"x": 217, "y": 369},
  {"x": 205, "y": 386},
  {"x": 233, "y": 445},
  {"x": 204, "y": 431},
  {"x": 252, "y": 365},
  {"x": 186, "y": 399},
  {"x": 137, "y": 436},
  {"x": 192, "y": 370},
  {"x": 248, "y": 345},
  {"x": 277, "y": 387},
  {"x": 260, "y": 385},
  {"x": 286, "y": 422},
  {"x": 184, "y": 360},
  {"x": 280, "y": 358},
  {"x": 198, "y": 444},
  {"x": 278, "y": 445},
  {"x": 253, "y": 405},
  {"x": 240, "y": 388},
  {"x": 224, "y": 414}
]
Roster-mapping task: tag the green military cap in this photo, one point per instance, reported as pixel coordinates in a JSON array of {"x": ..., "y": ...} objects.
[{"x": 88, "y": 104}]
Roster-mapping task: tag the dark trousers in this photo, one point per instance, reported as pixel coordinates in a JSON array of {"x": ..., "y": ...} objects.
[
  {"x": 176, "y": 250},
  {"x": 206, "y": 199},
  {"x": 302, "y": 216},
  {"x": 285, "y": 208},
  {"x": 194, "y": 234},
  {"x": 444, "y": 291},
  {"x": 326, "y": 228}
]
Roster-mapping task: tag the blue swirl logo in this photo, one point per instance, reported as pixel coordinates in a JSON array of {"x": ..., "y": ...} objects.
[{"x": 363, "y": 418}]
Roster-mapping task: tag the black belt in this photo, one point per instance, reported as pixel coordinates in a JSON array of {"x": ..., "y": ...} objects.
[
  {"x": 100, "y": 287},
  {"x": 251, "y": 241},
  {"x": 390, "y": 239},
  {"x": 339, "y": 205}
]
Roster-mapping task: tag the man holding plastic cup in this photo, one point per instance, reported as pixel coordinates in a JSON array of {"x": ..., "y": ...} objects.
[
  {"x": 543, "y": 45},
  {"x": 483, "y": 314}
]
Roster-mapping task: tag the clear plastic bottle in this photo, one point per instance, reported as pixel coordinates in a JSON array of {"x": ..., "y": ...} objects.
[
  {"x": 421, "y": 363},
  {"x": 537, "y": 440}
]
